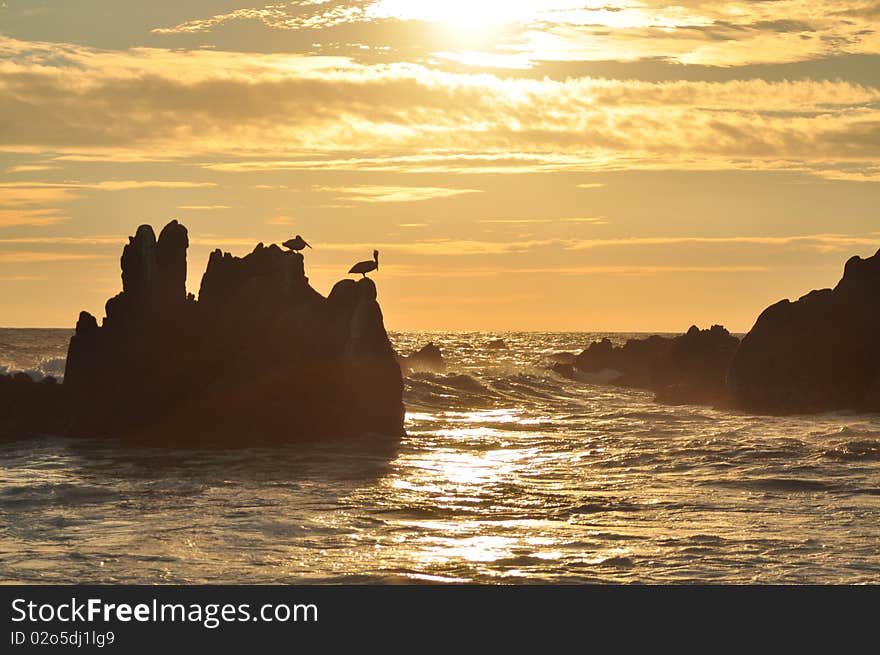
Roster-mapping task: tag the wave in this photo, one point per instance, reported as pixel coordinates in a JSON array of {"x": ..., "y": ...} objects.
[
  {"x": 858, "y": 450},
  {"x": 49, "y": 367}
]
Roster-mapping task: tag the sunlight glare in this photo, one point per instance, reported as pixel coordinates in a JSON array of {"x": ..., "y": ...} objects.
[{"x": 461, "y": 13}]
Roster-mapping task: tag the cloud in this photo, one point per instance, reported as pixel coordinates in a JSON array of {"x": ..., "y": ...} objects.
[
  {"x": 13, "y": 217},
  {"x": 366, "y": 193},
  {"x": 518, "y": 34},
  {"x": 591, "y": 220},
  {"x": 303, "y": 14},
  {"x": 36, "y": 203},
  {"x": 819, "y": 241},
  {"x": 30, "y": 168},
  {"x": 460, "y": 247},
  {"x": 281, "y": 220},
  {"x": 33, "y": 192},
  {"x": 126, "y": 185},
  {"x": 42, "y": 257},
  {"x": 144, "y": 103},
  {"x": 25, "y": 204}
]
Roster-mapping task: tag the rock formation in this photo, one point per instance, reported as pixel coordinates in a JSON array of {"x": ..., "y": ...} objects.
[
  {"x": 28, "y": 407},
  {"x": 690, "y": 368},
  {"x": 428, "y": 358},
  {"x": 819, "y": 353},
  {"x": 562, "y": 357},
  {"x": 261, "y": 356}
]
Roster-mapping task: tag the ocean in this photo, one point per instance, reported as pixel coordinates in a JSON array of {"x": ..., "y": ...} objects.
[{"x": 508, "y": 474}]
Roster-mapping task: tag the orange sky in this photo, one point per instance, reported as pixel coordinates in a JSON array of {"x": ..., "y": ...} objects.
[{"x": 553, "y": 165}]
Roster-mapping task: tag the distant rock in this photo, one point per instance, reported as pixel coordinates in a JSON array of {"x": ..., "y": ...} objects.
[
  {"x": 261, "y": 356},
  {"x": 819, "y": 353},
  {"x": 565, "y": 370},
  {"x": 693, "y": 369},
  {"x": 562, "y": 357},
  {"x": 428, "y": 358},
  {"x": 497, "y": 344},
  {"x": 690, "y": 368}
]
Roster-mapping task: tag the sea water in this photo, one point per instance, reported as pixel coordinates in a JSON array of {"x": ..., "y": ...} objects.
[{"x": 508, "y": 474}]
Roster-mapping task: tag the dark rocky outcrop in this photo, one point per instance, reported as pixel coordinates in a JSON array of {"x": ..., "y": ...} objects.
[
  {"x": 261, "y": 356},
  {"x": 497, "y": 344},
  {"x": 428, "y": 358},
  {"x": 690, "y": 368},
  {"x": 562, "y": 357},
  {"x": 29, "y": 408},
  {"x": 565, "y": 370},
  {"x": 819, "y": 353}
]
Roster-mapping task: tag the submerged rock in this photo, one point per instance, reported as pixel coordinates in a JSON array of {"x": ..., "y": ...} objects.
[
  {"x": 497, "y": 344},
  {"x": 260, "y": 356},
  {"x": 819, "y": 353},
  {"x": 690, "y": 368}
]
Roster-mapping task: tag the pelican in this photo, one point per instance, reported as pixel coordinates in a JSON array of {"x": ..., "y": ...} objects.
[
  {"x": 366, "y": 266},
  {"x": 296, "y": 243}
]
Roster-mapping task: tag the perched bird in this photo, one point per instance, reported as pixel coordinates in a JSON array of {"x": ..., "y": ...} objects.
[
  {"x": 366, "y": 266},
  {"x": 296, "y": 243}
]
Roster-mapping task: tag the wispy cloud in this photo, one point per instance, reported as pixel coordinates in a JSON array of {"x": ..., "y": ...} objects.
[
  {"x": 14, "y": 217},
  {"x": 515, "y": 221},
  {"x": 31, "y": 168},
  {"x": 458, "y": 247},
  {"x": 369, "y": 194},
  {"x": 280, "y": 220},
  {"x": 37, "y": 203},
  {"x": 526, "y": 31},
  {"x": 126, "y": 185},
  {"x": 42, "y": 257},
  {"x": 196, "y": 103}
]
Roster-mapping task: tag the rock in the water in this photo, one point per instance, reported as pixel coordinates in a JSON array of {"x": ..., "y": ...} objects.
[
  {"x": 565, "y": 370},
  {"x": 497, "y": 344},
  {"x": 428, "y": 358},
  {"x": 693, "y": 369},
  {"x": 29, "y": 408},
  {"x": 260, "y": 356},
  {"x": 690, "y": 368},
  {"x": 819, "y": 353},
  {"x": 562, "y": 357}
]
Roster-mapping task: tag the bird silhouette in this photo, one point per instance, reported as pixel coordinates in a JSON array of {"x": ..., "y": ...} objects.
[
  {"x": 365, "y": 267},
  {"x": 296, "y": 243}
]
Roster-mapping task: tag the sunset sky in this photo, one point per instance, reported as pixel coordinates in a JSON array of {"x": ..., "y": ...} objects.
[{"x": 545, "y": 165}]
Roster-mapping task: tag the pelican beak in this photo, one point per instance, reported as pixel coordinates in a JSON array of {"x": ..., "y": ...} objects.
[{"x": 307, "y": 243}]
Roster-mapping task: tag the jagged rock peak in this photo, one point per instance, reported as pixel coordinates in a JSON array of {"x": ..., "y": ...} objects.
[
  {"x": 258, "y": 347},
  {"x": 171, "y": 261},
  {"x": 819, "y": 353}
]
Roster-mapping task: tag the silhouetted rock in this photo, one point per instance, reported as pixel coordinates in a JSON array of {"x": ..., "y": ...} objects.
[
  {"x": 819, "y": 353},
  {"x": 428, "y": 358},
  {"x": 260, "y": 356},
  {"x": 562, "y": 357},
  {"x": 29, "y": 408},
  {"x": 497, "y": 344},
  {"x": 171, "y": 262},
  {"x": 690, "y": 368},
  {"x": 565, "y": 370},
  {"x": 694, "y": 368},
  {"x": 634, "y": 360}
]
